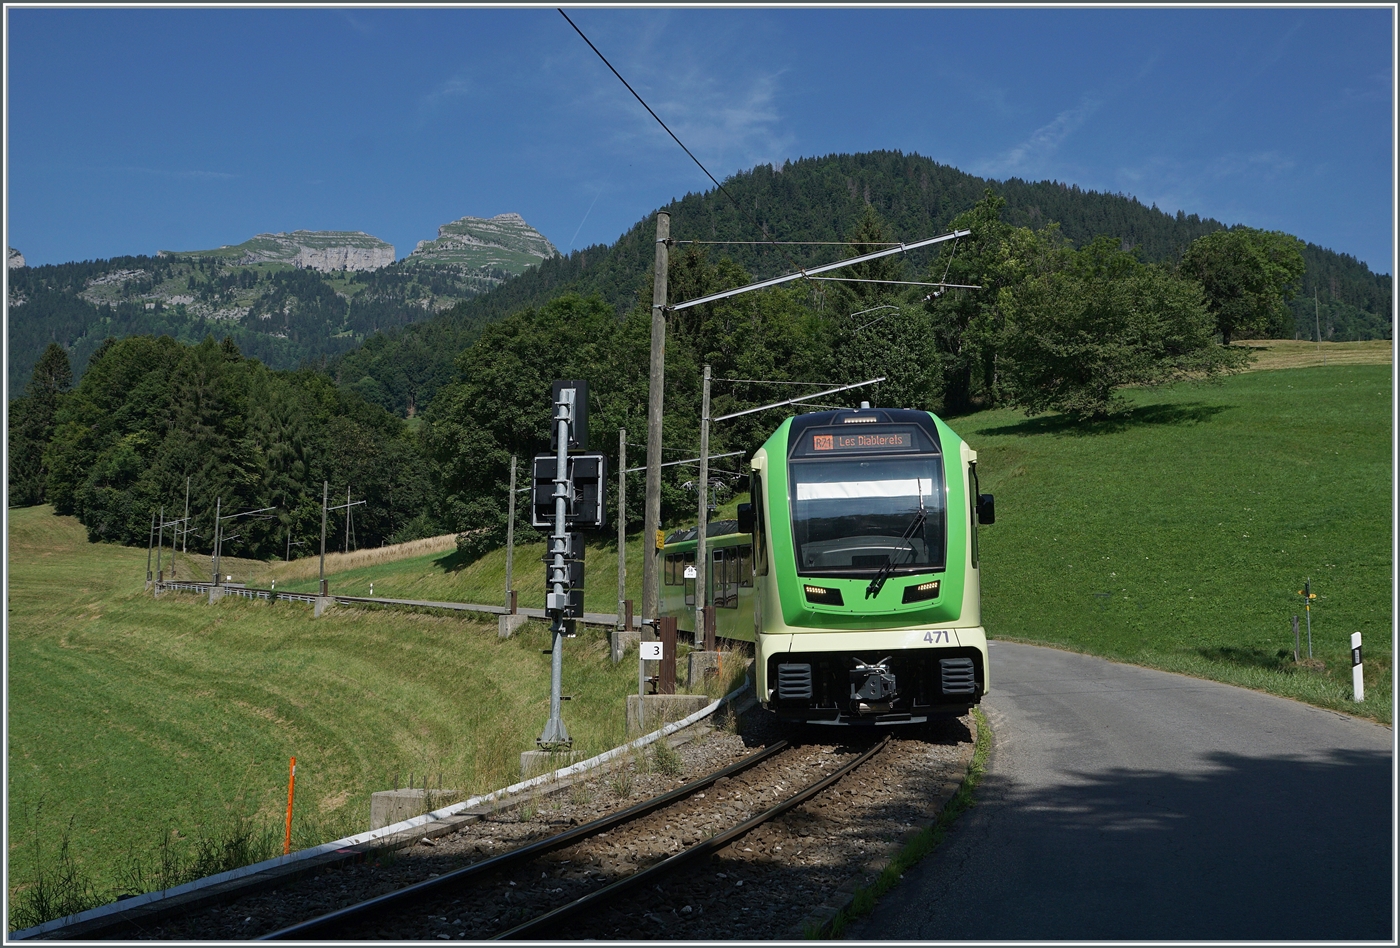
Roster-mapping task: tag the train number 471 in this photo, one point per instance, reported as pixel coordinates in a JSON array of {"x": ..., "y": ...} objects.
[{"x": 941, "y": 635}]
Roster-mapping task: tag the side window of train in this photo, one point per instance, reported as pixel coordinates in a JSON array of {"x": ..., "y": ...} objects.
[
  {"x": 726, "y": 577},
  {"x": 745, "y": 554},
  {"x": 760, "y": 525}
]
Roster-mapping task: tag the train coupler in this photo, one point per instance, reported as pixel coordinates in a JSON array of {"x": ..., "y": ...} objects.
[{"x": 873, "y": 685}]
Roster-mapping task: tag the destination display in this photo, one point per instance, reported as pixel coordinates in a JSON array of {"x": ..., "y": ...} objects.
[{"x": 878, "y": 441}]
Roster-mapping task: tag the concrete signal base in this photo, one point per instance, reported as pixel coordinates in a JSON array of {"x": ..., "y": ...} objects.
[
  {"x": 388, "y": 807},
  {"x": 622, "y": 640},
  {"x": 702, "y": 667},
  {"x": 660, "y": 710},
  {"x": 508, "y": 625},
  {"x": 536, "y": 762}
]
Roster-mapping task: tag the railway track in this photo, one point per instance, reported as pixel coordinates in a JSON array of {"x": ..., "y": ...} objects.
[
  {"x": 548, "y": 904},
  {"x": 777, "y": 877}
]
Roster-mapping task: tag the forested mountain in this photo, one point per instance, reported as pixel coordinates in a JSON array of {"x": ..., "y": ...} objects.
[
  {"x": 150, "y": 413},
  {"x": 821, "y": 199},
  {"x": 287, "y": 299}
]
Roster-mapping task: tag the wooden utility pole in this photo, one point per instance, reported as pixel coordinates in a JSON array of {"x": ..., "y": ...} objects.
[
  {"x": 701, "y": 587},
  {"x": 347, "y": 518},
  {"x": 1317, "y": 318},
  {"x": 218, "y": 523},
  {"x": 652, "y": 518},
  {"x": 150, "y": 541},
  {"x": 325, "y": 499},
  {"x": 510, "y": 536},
  {"x": 621, "y": 528},
  {"x": 184, "y": 531},
  {"x": 160, "y": 544}
]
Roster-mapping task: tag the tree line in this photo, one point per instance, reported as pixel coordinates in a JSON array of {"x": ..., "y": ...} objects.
[{"x": 151, "y": 412}]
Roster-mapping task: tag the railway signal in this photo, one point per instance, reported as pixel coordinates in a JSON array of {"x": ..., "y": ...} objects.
[{"x": 575, "y": 502}]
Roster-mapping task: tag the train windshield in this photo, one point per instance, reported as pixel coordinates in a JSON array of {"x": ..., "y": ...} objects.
[{"x": 854, "y": 516}]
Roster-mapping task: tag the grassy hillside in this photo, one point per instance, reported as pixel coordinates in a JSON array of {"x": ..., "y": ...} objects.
[
  {"x": 1180, "y": 536},
  {"x": 1177, "y": 537},
  {"x": 144, "y": 720}
]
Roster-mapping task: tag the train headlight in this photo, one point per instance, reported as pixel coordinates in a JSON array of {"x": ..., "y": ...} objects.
[
  {"x": 824, "y": 596},
  {"x": 921, "y": 592}
]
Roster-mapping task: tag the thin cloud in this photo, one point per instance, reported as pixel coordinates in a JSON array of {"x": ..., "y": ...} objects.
[
  {"x": 455, "y": 88},
  {"x": 358, "y": 25},
  {"x": 1042, "y": 144},
  {"x": 192, "y": 174},
  {"x": 727, "y": 118},
  {"x": 734, "y": 123},
  {"x": 1232, "y": 164},
  {"x": 1173, "y": 184}
]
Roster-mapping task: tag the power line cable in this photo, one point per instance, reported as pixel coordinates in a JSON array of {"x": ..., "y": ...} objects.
[{"x": 712, "y": 178}]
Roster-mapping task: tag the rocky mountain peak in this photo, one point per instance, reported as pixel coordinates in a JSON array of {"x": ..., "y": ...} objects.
[
  {"x": 504, "y": 242},
  {"x": 323, "y": 250}
]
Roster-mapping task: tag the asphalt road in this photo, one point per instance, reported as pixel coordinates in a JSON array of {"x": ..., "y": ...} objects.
[{"x": 1122, "y": 804}]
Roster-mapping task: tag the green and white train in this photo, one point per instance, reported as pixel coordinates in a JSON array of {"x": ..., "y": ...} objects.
[{"x": 854, "y": 570}]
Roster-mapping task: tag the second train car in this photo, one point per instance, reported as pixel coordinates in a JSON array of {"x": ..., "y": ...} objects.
[{"x": 854, "y": 570}]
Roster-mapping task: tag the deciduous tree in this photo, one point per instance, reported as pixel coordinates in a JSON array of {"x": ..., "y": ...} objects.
[{"x": 1248, "y": 276}]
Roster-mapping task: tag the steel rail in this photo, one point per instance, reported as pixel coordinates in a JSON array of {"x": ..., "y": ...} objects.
[
  {"x": 317, "y": 927},
  {"x": 536, "y": 926}
]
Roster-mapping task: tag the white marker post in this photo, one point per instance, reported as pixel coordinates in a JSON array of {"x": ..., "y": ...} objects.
[
  {"x": 1358, "y": 689},
  {"x": 646, "y": 652}
]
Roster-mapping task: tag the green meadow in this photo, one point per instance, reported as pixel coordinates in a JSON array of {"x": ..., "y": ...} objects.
[
  {"x": 141, "y": 728},
  {"x": 1180, "y": 536},
  {"x": 1177, "y": 536}
]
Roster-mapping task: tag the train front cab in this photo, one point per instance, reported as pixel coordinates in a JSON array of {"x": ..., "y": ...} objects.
[{"x": 834, "y": 646}]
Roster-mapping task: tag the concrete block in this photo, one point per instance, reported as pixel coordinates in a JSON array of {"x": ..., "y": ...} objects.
[
  {"x": 322, "y": 604},
  {"x": 660, "y": 710},
  {"x": 701, "y": 667},
  {"x": 622, "y": 640},
  {"x": 216, "y": 593},
  {"x": 392, "y": 806},
  {"x": 534, "y": 763},
  {"x": 508, "y": 625}
]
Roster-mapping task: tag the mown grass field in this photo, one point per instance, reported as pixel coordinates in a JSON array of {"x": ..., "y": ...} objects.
[
  {"x": 1300, "y": 353},
  {"x": 141, "y": 720},
  {"x": 1180, "y": 536}
]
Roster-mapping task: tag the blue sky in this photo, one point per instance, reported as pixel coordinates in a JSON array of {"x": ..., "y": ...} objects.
[{"x": 136, "y": 130}]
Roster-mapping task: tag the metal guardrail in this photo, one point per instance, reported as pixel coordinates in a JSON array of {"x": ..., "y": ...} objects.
[{"x": 589, "y": 618}]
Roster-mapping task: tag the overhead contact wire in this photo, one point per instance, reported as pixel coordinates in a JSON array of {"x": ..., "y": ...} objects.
[{"x": 712, "y": 178}]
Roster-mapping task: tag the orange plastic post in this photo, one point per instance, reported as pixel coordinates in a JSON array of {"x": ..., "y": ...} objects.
[{"x": 291, "y": 791}]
